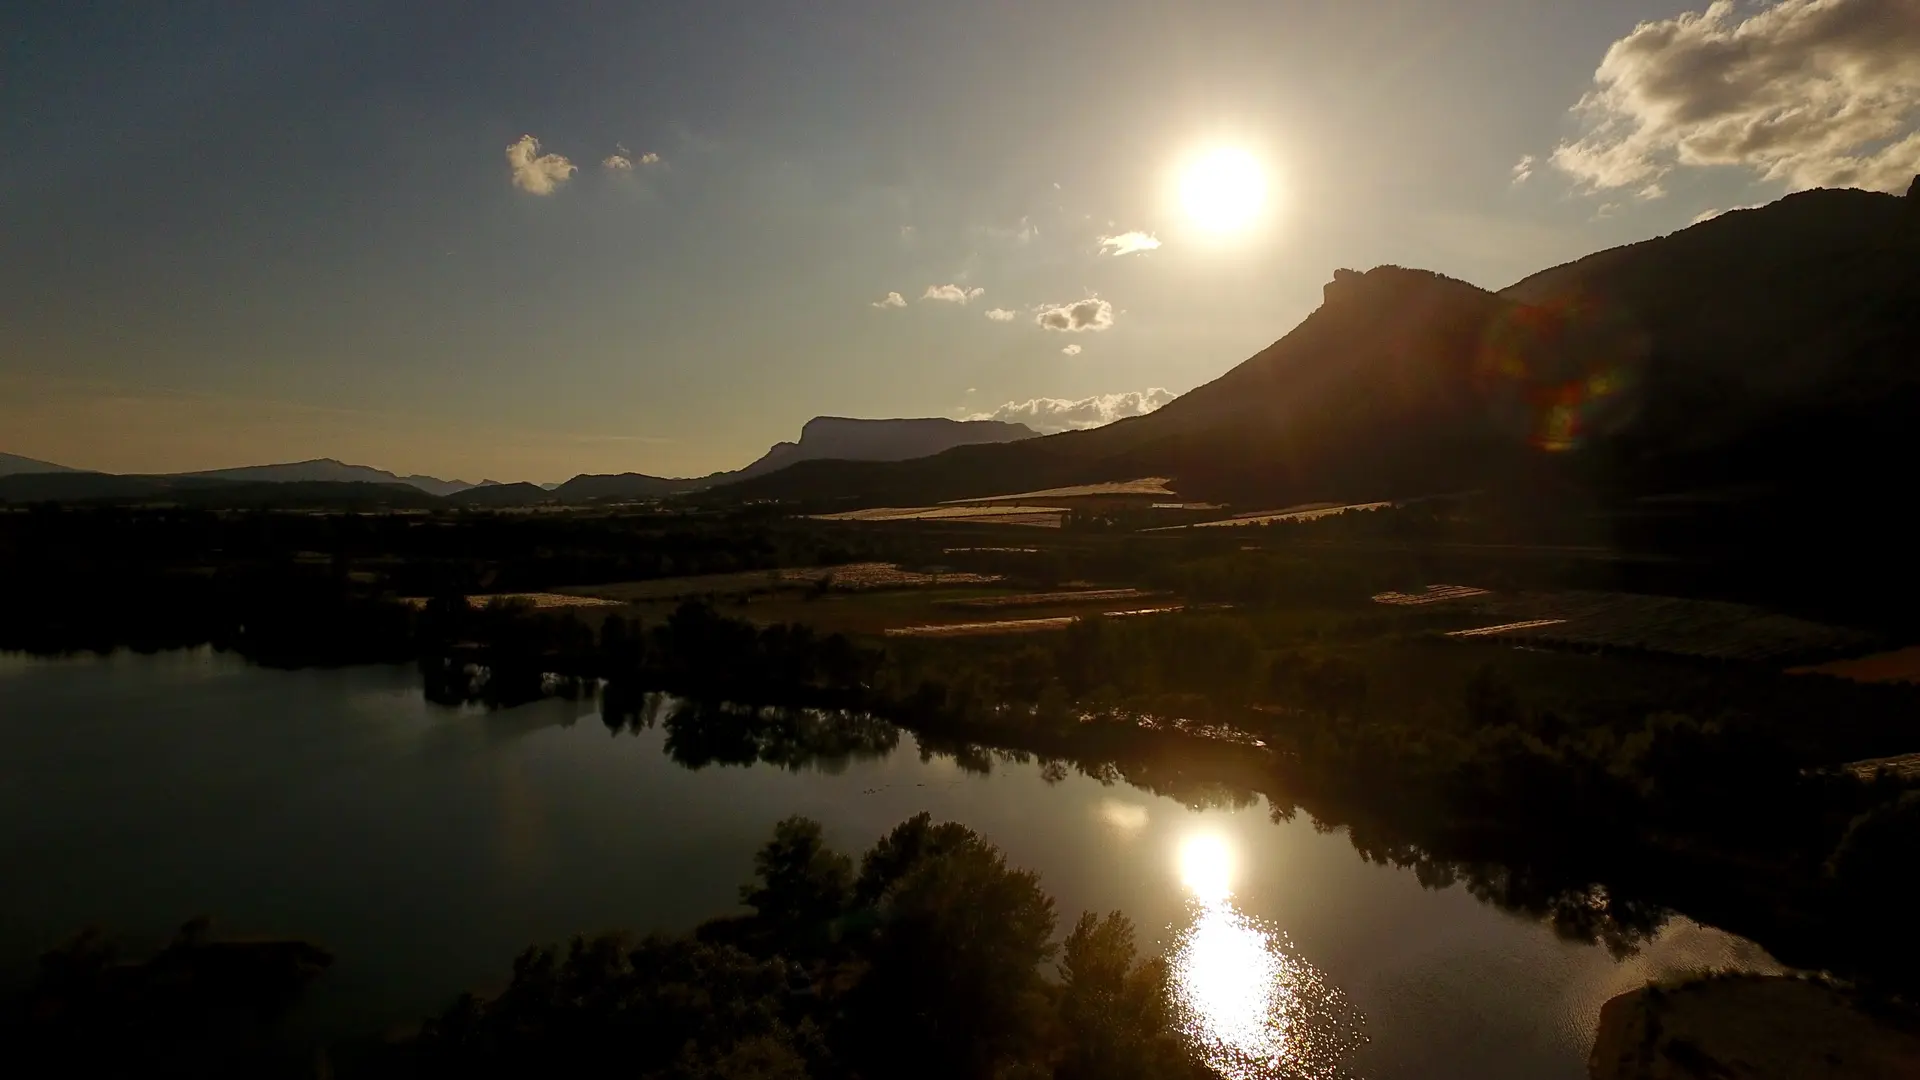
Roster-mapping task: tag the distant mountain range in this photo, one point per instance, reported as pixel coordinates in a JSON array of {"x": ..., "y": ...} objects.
[
  {"x": 821, "y": 437},
  {"x": 1776, "y": 346}
]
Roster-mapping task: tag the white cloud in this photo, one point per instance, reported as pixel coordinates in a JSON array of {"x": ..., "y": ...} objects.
[
  {"x": 1709, "y": 215},
  {"x": 1001, "y": 314},
  {"x": 953, "y": 294},
  {"x": 1810, "y": 93},
  {"x": 649, "y": 158},
  {"x": 1071, "y": 350},
  {"x": 618, "y": 163},
  {"x": 1650, "y": 192},
  {"x": 1050, "y": 415},
  {"x": 534, "y": 172},
  {"x": 1523, "y": 169},
  {"x": 1127, "y": 243},
  {"x": 891, "y": 300},
  {"x": 1089, "y": 314}
]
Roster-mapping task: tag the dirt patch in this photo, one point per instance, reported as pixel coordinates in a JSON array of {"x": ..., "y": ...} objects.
[
  {"x": 1081, "y": 596},
  {"x": 1900, "y": 665},
  {"x": 541, "y": 600}
]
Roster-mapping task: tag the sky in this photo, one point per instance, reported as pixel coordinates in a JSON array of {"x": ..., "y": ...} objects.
[{"x": 525, "y": 241}]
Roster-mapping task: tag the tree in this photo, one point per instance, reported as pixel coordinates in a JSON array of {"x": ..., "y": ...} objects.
[
  {"x": 1115, "y": 1008},
  {"x": 800, "y": 886},
  {"x": 954, "y": 986}
]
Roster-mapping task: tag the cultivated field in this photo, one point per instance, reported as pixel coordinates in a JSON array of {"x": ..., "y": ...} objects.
[
  {"x": 541, "y": 600},
  {"x": 1708, "y": 629},
  {"x": 1150, "y": 485},
  {"x": 850, "y": 577},
  {"x": 1900, "y": 665},
  {"x": 982, "y": 515},
  {"x": 1043, "y": 599}
]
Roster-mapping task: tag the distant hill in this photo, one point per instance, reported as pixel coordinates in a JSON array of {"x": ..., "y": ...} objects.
[
  {"x": 208, "y": 493},
  {"x": 13, "y": 464},
  {"x": 1779, "y": 345},
  {"x": 330, "y": 471},
  {"x": 823, "y": 437},
  {"x": 496, "y": 495}
]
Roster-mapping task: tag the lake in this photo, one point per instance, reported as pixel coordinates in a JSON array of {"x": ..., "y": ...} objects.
[{"x": 426, "y": 846}]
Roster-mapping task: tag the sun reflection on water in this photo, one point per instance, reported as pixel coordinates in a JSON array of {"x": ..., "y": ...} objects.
[{"x": 1252, "y": 1009}]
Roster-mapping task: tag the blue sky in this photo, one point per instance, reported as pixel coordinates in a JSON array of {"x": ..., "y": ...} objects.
[{"x": 245, "y": 233}]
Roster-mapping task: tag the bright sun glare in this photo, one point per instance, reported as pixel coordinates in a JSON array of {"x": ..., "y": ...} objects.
[
  {"x": 1223, "y": 190},
  {"x": 1206, "y": 868}
]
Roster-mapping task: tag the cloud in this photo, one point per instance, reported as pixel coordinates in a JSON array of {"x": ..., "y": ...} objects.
[
  {"x": 1049, "y": 415},
  {"x": 1089, "y": 314},
  {"x": 534, "y": 172},
  {"x": 953, "y": 294},
  {"x": 1650, "y": 192},
  {"x": 618, "y": 163},
  {"x": 891, "y": 300},
  {"x": 1523, "y": 169},
  {"x": 1001, "y": 314},
  {"x": 649, "y": 158},
  {"x": 1127, "y": 243},
  {"x": 1810, "y": 93},
  {"x": 1071, "y": 350},
  {"x": 1709, "y": 215}
]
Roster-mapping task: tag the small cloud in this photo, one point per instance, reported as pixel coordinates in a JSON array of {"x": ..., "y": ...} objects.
[
  {"x": 953, "y": 294},
  {"x": 1651, "y": 192},
  {"x": 1071, "y": 350},
  {"x": 1051, "y": 415},
  {"x": 534, "y": 172},
  {"x": 1001, "y": 314},
  {"x": 618, "y": 163},
  {"x": 1092, "y": 313},
  {"x": 1606, "y": 210},
  {"x": 1709, "y": 215},
  {"x": 1127, "y": 243},
  {"x": 891, "y": 300},
  {"x": 649, "y": 158},
  {"x": 1523, "y": 169}
]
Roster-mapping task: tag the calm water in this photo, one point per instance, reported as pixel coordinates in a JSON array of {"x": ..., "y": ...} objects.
[{"x": 427, "y": 846}]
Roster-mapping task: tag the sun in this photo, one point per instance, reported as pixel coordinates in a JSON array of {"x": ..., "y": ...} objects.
[
  {"x": 1206, "y": 867},
  {"x": 1224, "y": 190}
]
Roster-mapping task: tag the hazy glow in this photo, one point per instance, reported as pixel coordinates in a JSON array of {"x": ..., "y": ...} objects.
[
  {"x": 1249, "y": 1007},
  {"x": 1223, "y": 190},
  {"x": 1206, "y": 868}
]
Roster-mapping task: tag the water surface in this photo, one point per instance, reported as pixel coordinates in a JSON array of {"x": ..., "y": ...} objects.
[{"x": 426, "y": 846}]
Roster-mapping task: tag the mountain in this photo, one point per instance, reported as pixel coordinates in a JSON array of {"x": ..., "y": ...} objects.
[
  {"x": 330, "y": 471},
  {"x": 207, "y": 493},
  {"x": 13, "y": 464},
  {"x": 495, "y": 495},
  {"x": 848, "y": 439},
  {"x": 823, "y": 437},
  {"x": 1778, "y": 345}
]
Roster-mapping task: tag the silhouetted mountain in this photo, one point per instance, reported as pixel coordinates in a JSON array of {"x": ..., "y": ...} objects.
[
  {"x": 1776, "y": 345},
  {"x": 12, "y": 464},
  {"x": 327, "y": 469},
  {"x": 836, "y": 437},
  {"x": 502, "y": 495},
  {"x": 204, "y": 492},
  {"x": 848, "y": 439}
]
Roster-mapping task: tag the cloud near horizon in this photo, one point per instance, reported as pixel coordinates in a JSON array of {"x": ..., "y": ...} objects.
[
  {"x": 1001, "y": 314},
  {"x": 1092, "y": 313},
  {"x": 1127, "y": 243},
  {"x": 534, "y": 172},
  {"x": 1812, "y": 93},
  {"x": 891, "y": 300},
  {"x": 952, "y": 294},
  {"x": 1050, "y": 416}
]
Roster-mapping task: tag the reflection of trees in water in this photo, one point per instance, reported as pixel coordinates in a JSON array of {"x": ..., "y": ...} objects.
[{"x": 701, "y": 733}]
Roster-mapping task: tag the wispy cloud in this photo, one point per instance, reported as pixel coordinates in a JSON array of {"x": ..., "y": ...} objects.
[
  {"x": 1071, "y": 350},
  {"x": 1523, "y": 169},
  {"x": 534, "y": 172},
  {"x": 952, "y": 294},
  {"x": 1050, "y": 415},
  {"x": 1810, "y": 93},
  {"x": 1001, "y": 314},
  {"x": 1127, "y": 243},
  {"x": 891, "y": 300},
  {"x": 1092, "y": 313}
]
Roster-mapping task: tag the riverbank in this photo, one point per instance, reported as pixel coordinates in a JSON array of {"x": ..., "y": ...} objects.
[{"x": 1751, "y": 1027}]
